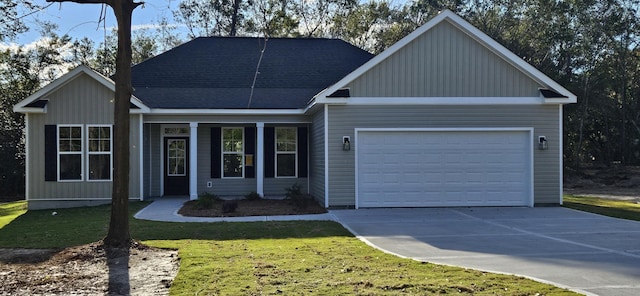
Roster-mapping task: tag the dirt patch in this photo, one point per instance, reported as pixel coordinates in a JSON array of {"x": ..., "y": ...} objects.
[
  {"x": 617, "y": 182},
  {"x": 258, "y": 207},
  {"x": 88, "y": 270}
]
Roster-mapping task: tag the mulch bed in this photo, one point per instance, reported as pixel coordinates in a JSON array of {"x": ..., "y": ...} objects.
[{"x": 258, "y": 207}]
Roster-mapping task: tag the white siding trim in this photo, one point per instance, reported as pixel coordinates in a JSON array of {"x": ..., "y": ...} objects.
[
  {"x": 442, "y": 101},
  {"x": 560, "y": 153},
  {"x": 141, "y": 155},
  {"x": 244, "y": 120},
  {"x": 27, "y": 169},
  {"x": 326, "y": 156},
  {"x": 488, "y": 129},
  {"x": 259, "y": 159},
  {"x": 193, "y": 161},
  {"x": 228, "y": 111}
]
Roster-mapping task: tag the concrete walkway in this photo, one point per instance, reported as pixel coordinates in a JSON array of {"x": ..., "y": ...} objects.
[
  {"x": 166, "y": 209},
  {"x": 586, "y": 253}
]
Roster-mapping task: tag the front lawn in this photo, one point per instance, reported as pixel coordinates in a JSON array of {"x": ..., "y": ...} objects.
[
  {"x": 290, "y": 258},
  {"x": 613, "y": 208}
]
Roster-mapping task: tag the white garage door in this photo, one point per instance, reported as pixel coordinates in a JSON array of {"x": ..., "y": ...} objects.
[{"x": 443, "y": 168}]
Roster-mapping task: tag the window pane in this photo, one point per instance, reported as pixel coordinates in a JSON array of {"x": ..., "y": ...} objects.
[
  {"x": 100, "y": 167},
  {"x": 100, "y": 138},
  {"x": 286, "y": 139},
  {"x": 177, "y": 157},
  {"x": 286, "y": 166},
  {"x": 176, "y": 166},
  {"x": 70, "y": 167},
  {"x": 232, "y": 139},
  {"x": 232, "y": 165},
  {"x": 176, "y": 131},
  {"x": 70, "y": 138}
]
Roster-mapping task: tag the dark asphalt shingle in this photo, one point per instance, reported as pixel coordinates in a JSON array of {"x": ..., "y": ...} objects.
[{"x": 217, "y": 72}]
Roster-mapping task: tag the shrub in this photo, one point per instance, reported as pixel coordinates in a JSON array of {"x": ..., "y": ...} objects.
[
  {"x": 206, "y": 200},
  {"x": 252, "y": 196},
  {"x": 297, "y": 197},
  {"x": 229, "y": 206}
]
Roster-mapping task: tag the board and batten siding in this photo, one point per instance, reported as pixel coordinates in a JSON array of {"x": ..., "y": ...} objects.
[
  {"x": 81, "y": 101},
  {"x": 344, "y": 119},
  {"x": 317, "y": 157},
  {"x": 444, "y": 62}
]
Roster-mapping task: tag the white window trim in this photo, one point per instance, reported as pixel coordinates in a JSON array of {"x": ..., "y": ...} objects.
[
  {"x": 295, "y": 153},
  {"x": 81, "y": 152},
  {"x": 222, "y": 176},
  {"x": 186, "y": 159},
  {"x": 110, "y": 153}
]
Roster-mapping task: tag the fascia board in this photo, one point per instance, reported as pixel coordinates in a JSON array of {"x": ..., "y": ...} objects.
[{"x": 227, "y": 111}]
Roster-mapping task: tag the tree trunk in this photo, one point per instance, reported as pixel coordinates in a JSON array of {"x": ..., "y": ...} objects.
[
  {"x": 234, "y": 18},
  {"x": 119, "y": 235}
]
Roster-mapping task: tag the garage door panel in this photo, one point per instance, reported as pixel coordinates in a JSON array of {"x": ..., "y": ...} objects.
[{"x": 443, "y": 168}]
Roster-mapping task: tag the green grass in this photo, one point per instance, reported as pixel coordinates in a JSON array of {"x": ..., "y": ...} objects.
[
  {"x": 10, "y": 211},
  {"x": 613, "y": 208},
  {"x": 290, "y": 258}
]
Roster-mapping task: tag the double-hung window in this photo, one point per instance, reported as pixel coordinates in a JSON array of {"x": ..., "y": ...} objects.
[
  {"x": 99, "y": 152},
  {"x": 232, "y": 152},
  {"x": 70, "y": 152},
  {"x": 78, "y": 147},
  {"x": 286, "y": 151}
]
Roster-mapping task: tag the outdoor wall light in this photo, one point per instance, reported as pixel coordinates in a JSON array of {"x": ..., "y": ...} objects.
[
  {"x": 542, "y": 143},
  {"x": 346, "y": 143}
]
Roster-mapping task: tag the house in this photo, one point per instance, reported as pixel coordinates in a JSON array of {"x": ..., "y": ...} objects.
[{"x": 445, "y": 117}]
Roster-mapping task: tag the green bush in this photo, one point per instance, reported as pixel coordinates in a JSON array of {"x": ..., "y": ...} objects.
[
  {"x": 207, "y": 200},
  {"x": 297, "y": 197},
  {"x": 252, "y": 196}
]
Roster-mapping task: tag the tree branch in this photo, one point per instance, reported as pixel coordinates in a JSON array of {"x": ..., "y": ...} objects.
[{"x": 108, "y": 2}]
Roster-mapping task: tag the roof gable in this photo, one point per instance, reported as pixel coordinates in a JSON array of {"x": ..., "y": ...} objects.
[
  {"x": 447, "y": 57},
  {"x": 37, "y": 102}
]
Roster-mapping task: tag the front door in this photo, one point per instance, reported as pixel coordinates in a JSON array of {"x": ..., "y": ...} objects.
[{"x": 176, "y": 170}]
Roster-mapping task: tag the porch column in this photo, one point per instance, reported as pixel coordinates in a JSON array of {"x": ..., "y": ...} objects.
[
  {"x": 193, "y": 160},
  {"x": 259, "y": 162}
]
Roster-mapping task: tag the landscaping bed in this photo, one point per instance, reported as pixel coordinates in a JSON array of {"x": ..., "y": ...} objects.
[{"x": 245, "y": 207}]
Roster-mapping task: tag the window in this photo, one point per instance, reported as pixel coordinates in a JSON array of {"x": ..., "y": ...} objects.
[
  {"x": 72, "y": 154},
  {"x": 177, "y": 157},
  {"x": 69, "y": 153},
  {"x": 99, "y": 152},
  {"x": 233, "y": 152},
  {"x": 286, "y": 148}
]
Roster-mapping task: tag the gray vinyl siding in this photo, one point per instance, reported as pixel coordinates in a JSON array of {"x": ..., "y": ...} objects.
[
  {"x": 316, "y": 157},
  {"x": 275, "y": 187},
  {"x": 444, "y": 62},
  {"x": 81, "y": 101},
  {"x": 221, "y": 186},
  {"x": 544, "y": 119},
  {"x": 154, "y": 172}
]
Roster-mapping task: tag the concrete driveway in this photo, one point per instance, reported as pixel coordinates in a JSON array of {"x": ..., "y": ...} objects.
[{"x": 587, "y": 253}]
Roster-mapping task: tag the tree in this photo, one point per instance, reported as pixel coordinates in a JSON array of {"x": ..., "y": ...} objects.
[
  {"x": 119, "y": 234},
  {"x": 205, "y": 18},
  {"x": 10, "y": 21}
]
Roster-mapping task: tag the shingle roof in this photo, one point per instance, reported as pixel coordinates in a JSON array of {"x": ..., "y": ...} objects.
[{"x": 217, "y": 72}]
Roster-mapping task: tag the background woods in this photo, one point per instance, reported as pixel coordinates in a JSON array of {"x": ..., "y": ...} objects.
[{"x": 589, "y": 46}]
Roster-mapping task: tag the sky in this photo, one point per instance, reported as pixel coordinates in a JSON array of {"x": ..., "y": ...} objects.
[{"x": 81, "y": 20}]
